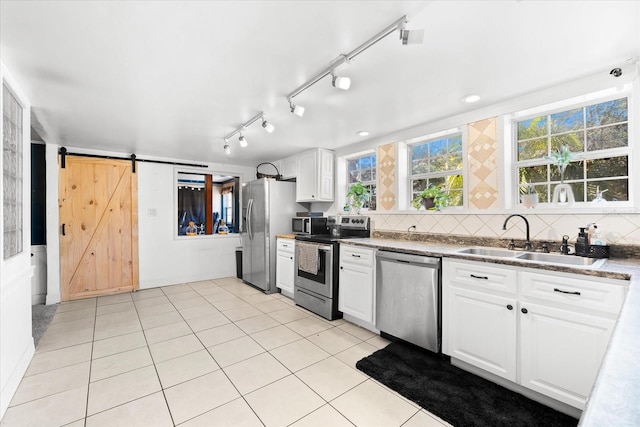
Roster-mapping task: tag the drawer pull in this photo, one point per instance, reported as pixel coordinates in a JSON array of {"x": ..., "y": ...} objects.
[
  {"x": 479, "y": 277},
  {"x": 566, "y": 292},
  {"x": 355, "y": 255}
]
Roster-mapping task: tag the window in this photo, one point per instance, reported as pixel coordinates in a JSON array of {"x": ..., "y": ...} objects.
[
  {"x": 439, "y": 162},
  {"x": 598, "y": 135},
  {"x": 12, "y": 173},
  {"x": 363, "y": 169},
  {"x": 210, "y": 201}
]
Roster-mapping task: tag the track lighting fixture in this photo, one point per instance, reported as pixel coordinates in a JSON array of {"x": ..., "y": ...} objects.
[
  {"x": 298, "y": 110},
  {"x": 406, "y": 36},
  {"x": 341, "y": 82},
  {"x": 410, "y": 36},
  {"x": 243, "y": 140},
  {"x": 267, "y": 126}
]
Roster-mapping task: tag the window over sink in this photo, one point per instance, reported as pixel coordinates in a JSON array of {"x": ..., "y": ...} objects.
[{"x": 596, "y": 133}]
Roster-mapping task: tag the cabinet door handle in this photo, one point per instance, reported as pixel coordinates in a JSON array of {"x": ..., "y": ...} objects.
[
  {"x": 479, "y": 277},
  {"x": 63, "y": 231},
  {"x": 509, "y": 307},
  {"x": 524, "y": 311},
  {"x": 341, "y": 268},
  {"x": 291, "y": 258},
  {"x": 566, "y": 292}
]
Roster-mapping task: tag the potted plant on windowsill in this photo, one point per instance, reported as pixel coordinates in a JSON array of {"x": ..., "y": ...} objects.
[
  {"x": 357, "y": 195},
  {"x": 562, "y": 193},
  {"x": 431, "y": 198},
  {"x": 528, "y": 195}
]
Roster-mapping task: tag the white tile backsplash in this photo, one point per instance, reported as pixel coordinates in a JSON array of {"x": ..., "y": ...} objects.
[{"x": 618, "y": 228}]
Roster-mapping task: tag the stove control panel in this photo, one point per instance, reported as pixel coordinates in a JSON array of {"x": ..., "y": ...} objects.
[{"x": 350, "y": 221}]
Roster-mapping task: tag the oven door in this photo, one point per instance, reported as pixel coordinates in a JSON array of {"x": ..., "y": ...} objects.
[{"x": 321, "y": 282}]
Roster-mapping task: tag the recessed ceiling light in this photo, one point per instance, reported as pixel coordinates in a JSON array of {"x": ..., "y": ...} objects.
[
  {"x": 469, "y": 99},
  {"x": 363, "y": 133}
]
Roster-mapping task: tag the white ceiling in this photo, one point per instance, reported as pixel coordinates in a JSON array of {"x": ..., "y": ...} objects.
[{"x": 172, "y": 78}]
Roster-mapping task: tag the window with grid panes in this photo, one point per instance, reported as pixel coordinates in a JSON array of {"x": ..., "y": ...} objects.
[
  {"x": 12, "y": 173},
  {"x": 439, "y": 162},
  {"x": 363, "y": 169},
  {"x": 597, "y": 133}
]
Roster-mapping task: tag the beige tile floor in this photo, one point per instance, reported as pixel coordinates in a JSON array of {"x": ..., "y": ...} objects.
[{"x": 211, "y": 353}]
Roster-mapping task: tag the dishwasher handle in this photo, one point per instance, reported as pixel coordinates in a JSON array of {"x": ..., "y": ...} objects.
[{"x": 408, "y": 258}]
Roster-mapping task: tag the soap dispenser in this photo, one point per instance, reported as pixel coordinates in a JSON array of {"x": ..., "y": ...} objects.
[{"x": 582, "y": 243}]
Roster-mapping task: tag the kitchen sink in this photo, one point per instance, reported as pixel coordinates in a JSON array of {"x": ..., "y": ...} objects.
[
  {"x": 561, "y": 259},
  {"x": 504, "y": 253}
]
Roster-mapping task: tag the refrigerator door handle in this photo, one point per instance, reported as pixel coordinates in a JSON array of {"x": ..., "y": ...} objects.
[{"x": 249, "y": 209}]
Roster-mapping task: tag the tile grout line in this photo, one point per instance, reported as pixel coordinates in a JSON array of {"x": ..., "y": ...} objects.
[
  {"x": 155, "y": 368},
  {"x": 93, "y": 339}
]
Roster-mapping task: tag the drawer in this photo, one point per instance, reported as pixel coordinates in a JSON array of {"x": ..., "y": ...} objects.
[
  {"x": 579, "y": 292},
  {"x": 477, "y": 275},
  {"x": 286, "y": 245},
  {"x": 356, "y": 255}
]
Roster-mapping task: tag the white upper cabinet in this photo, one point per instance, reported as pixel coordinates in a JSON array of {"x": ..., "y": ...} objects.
[{"x": 314, "y": 180}]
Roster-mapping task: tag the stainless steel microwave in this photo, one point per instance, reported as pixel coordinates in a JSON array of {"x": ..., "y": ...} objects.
[{"x": 309, "y": 225}]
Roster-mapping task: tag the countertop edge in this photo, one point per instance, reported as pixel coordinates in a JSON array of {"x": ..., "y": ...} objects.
[
  {"x": 614, "y": 397},
  {"x": 610, "y": 270}
]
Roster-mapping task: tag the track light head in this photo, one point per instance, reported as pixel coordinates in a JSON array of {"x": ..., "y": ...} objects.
[
  {"x": 341, "y": 82},
  {"x": 410, "y": 36},
  {"x": 227, "y": 149},
  {"x": 267, "y": 126},
  {"x": 243, "y": 141},
  {"x": 298, "y": 110}
]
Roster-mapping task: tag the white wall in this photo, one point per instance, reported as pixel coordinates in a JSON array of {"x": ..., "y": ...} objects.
[
  {"x": 165, "y": 259},
  {"x": 16, "y": 342}
]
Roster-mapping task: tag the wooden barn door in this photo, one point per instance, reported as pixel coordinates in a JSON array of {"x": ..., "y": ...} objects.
[{"x": 99, "y": 227}]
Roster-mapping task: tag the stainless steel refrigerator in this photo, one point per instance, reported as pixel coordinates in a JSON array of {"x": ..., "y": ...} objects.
[{"x": 267, "y": 209}]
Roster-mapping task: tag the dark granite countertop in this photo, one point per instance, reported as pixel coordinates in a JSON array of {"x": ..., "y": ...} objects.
[
  {"x": 611, "y": 269},
  {"x": 615, "y": 398}
]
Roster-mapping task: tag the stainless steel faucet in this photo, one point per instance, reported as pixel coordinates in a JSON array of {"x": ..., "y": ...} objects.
[{"x": 527, "y": 243}]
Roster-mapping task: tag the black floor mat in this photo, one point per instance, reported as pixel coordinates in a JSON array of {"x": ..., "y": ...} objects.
[{"x": 456, "y": 396}]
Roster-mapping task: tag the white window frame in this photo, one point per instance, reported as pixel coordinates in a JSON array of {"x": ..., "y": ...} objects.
[
  {"x": 356, "y": 156},
  {"x": 511, "y": 149},
  {"x": 463, "y": 171},
  {"x": 15, "y": 266}
]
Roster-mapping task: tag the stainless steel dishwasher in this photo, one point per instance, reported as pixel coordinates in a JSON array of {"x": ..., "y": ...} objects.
[{"x": 408, "y": 303}]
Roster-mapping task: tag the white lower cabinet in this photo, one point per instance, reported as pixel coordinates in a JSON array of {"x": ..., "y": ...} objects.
[
  {"x": 285, "y": 265},
  {"x": 483, "y": 331},
  {"x": 561, "y": 351},
  {"x": 546, "y": 331},
  {"x": 357, "y": 282}
]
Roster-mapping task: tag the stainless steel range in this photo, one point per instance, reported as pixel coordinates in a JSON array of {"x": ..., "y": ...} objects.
[{"x": 317, "y": 258}]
